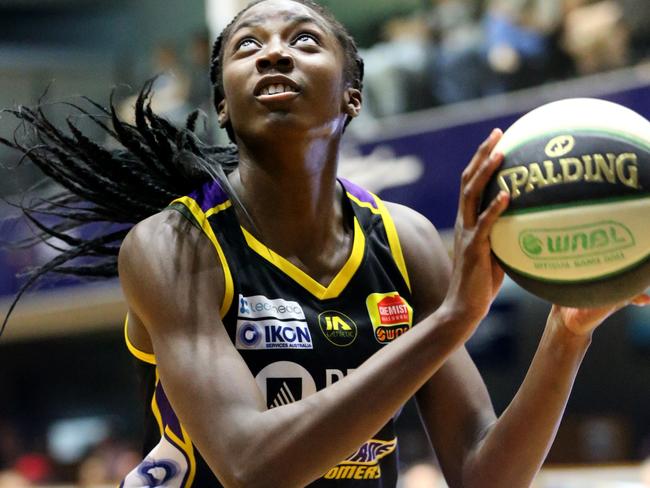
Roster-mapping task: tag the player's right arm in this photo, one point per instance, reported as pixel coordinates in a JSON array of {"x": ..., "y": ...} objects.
[{"x": 174, "y": 285}]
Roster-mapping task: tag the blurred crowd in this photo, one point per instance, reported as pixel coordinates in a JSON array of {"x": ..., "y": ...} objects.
[
  {"x": 464, "y": 49},
  {"x": 27, "y": 461},
  {"x": 455, "y": 50}
]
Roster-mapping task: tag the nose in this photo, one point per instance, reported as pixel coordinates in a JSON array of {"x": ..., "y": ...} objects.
[{"x": 275, "y": 56}]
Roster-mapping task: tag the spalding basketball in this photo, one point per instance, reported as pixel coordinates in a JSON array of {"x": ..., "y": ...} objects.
[{"x": 577, "y": 230}]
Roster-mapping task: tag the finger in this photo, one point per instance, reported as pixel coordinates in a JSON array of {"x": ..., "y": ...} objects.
[
  {"x": 641, "y": 300},
  {"x": 482, "y": 153},
  {"x": 497, "y": 275},
  {"x": 473, "y": 192},
  {"x": 488, "y": 218}
]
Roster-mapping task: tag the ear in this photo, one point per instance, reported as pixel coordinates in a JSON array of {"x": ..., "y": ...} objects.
[
  {"x": 352, "y": 100},
  {"x": 222, "y": 111}
]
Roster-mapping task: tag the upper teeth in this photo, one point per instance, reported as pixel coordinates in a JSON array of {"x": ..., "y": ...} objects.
[{"x": 279, "y": 88}]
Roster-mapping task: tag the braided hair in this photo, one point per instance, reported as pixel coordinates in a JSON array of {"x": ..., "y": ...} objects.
[{"x": 155, "y": 163}]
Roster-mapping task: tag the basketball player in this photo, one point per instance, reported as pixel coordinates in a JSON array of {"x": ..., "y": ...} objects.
[{"x": 283, "y": 316}]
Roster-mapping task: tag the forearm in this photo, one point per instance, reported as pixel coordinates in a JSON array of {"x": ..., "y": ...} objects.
[
  {"x": 321, "y": 430},
  {"x": 515, "y": 446}
]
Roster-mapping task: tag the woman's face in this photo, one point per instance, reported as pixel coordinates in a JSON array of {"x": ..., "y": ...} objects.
[{"x": 283, "y": 74}]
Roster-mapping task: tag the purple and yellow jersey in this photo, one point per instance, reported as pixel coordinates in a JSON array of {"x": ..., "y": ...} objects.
[{"x": 296, "y": 335}]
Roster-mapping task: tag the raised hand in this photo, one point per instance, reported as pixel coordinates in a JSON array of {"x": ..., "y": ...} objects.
[{"x": 476, "y": 276}]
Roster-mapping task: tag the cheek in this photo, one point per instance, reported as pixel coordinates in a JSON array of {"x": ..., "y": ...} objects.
[
  {"x": 328, "y": 78},
  {"x": 234, "y": 87}
]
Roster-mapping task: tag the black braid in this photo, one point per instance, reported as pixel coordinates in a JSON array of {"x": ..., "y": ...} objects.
[
  {"x": 354, "y": 66},
  {"x": 155, "y": 164}
]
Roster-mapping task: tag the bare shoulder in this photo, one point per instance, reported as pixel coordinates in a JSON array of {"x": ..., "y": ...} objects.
[
  {"x": 164, "y": 260},
  {"x": 155, "y": 234},
  {"x": 426, "y": 257}
]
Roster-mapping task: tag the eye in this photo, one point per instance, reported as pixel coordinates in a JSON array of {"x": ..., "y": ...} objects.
[
  {"x": 306, "y": 38},
  {"x": 247, "y": 43}
]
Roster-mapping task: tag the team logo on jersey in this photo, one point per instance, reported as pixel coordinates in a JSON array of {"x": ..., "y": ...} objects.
[
  {"x": 166, "y": 465},
  {"x": 390, "y": 315},
  {"x": 338, "y": 328},
  {"x": 284, "y": 382},
  {"x": 363, "y": 464},
  {"x": 157, "y": 472},
  {"x": 272, "y": 334},
  {"x": 259, "y": 307}
]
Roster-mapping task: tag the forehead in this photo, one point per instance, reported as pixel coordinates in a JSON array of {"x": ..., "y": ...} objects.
[{"x": 280, "y": 10}]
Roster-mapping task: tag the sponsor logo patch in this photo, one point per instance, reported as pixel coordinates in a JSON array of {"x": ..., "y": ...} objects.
[
  {"x": 259, "y": 307},
  {"x": 337, "y": 328},
  {"x": 272, "y": 334},
  {"x": 284, "y": 382},
  {"x": 265, "y": 323},
  {"x": 390, "y": 314}
]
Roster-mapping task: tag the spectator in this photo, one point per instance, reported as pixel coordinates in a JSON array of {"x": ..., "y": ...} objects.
[
  {"x": 171, "y": 88},
  {"x": 395, "y": 69},
  {"x": 519, "y": 42},
  {"x": 458, "y": 70},
  {"x": 200, "y": 89},
  {"x": 636, "y": 16},
  {"x": 596, "y": 36}
]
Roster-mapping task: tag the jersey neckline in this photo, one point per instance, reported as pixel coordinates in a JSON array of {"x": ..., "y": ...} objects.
[{"x": 302, "y": 278}]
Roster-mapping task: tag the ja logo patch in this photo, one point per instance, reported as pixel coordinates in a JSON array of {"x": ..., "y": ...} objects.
[{"x": 337, "y": 328}]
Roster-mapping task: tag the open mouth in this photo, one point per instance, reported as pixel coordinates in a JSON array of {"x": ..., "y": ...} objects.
[{"x": 277, "y": 89}]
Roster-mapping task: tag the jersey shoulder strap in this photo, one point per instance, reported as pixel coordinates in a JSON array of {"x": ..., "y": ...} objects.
[
  {"x": 370, "y": 210},
  {"x": 201, "y": 208}
]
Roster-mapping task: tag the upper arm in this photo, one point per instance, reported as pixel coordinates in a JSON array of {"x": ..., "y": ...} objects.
[
  {"x": 454, "y": 404},
  {"x": 173, "y": 283}
]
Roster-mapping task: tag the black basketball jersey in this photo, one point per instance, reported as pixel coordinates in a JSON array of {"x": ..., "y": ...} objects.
[{"x": 296, "y": 335}]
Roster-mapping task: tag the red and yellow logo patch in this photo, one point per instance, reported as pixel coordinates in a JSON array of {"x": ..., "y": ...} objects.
[{"x": 390, "y": 315}]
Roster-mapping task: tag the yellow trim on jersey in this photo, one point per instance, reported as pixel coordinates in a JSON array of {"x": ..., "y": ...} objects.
[
  {"x": 188, "y": 449},
  {"x": 367, "y": 205},
  {"x": 218, "y": 208},
  {"x": 393, "y": 240},
  {"x": 147, "y": 357},
  {"x": 336, "y": 286},
  {"x": 202, "y": 219},
  {"x": 185, "y": 444},
  {"x": 154, "y": 405}
]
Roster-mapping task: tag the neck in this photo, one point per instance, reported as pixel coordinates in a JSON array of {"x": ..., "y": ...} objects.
[{"x": 291, "y": 194}]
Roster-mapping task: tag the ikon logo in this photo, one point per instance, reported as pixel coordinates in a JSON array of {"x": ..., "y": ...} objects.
[{"x": 272, "y": 334}]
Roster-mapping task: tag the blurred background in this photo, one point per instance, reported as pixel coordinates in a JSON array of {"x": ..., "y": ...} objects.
[{"x": 440, "y": 74}]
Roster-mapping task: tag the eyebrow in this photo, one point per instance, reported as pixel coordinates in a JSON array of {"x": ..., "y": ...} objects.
[{"x": 294, "y": 19}]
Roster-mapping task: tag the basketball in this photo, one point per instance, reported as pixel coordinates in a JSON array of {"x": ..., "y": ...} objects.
[{"x": 577, "y": 230}]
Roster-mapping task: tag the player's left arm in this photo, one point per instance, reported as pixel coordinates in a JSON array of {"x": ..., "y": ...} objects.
[{"x": 474, "y": 447}]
